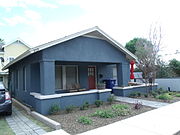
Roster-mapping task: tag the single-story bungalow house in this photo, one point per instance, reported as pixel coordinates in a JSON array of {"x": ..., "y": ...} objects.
[{"x": 67, "y": 71}]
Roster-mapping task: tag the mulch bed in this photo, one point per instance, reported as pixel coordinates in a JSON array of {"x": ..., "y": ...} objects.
[{"x": 70, "y": 124}]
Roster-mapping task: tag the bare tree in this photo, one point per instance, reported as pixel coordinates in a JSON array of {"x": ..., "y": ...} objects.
[{"x": 147, "y": 53}]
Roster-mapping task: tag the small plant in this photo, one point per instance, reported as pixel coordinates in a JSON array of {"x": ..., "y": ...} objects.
[
  {"x": 120, "y": 109},
  {"x": 146, "y": 95},
  {"x": 120, "y": 106},
  {"x": 111, "y": 99},
  {"x": 177, "y": 95},
  {"x": 135, "y": 94},
  {"x": 70, "y": 108},
  {"x": 165, "y": 96},
  {"x": 85, "y": 120},
  {"x": 85, "y": 106},
  {"x": 139, "y": 94},
  {"x": 161, "y": 91},
  {"x": 138, "y": 105},
  {"x": 154, "y": 94},
  {"x": 104, "y": 114},
  {"x": 98, "y": 103},
  {"x": 54, "y": 109}
]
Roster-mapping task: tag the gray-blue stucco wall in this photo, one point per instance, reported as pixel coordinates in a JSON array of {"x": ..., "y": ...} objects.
[
  {"x": 126, "y": 92},
  {"x": 43, "y": 106},
  {"x": 85, "y": 49}
]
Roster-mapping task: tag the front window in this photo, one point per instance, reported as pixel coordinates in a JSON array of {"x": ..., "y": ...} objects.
[
  {"x": 71, "y": 76},
  {"x": 66, "y": 76}
]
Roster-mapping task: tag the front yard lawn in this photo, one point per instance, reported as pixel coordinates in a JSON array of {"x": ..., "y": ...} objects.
[
  {"x": 4, "y": 127},
  {"x": 92, "y": 117}
]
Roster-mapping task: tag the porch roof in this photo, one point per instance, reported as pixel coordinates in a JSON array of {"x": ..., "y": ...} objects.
[{"x": 94, "y": 32}]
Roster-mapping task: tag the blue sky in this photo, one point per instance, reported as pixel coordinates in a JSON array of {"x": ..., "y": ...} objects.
[{"x": 40, "y": 21}]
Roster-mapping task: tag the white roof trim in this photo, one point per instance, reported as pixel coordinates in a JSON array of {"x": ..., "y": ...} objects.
[
  {"x": 72, "y": 36},
  {"x": 17, "y": 39}
]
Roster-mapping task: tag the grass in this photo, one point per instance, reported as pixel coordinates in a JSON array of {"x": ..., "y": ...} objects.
[
  {"x": 177, "y": 95},
  {"x": 4, "y": 127}
]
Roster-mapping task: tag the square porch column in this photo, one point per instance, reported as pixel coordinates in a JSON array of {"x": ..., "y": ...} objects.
[
  {"x": 123, "y": 74},
  {"x": 47, "y": 77}
]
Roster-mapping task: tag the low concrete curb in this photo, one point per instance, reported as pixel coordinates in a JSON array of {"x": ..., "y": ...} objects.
[
  {"x": 53, "y": 124},
  {"x": 28, "y": 110}
]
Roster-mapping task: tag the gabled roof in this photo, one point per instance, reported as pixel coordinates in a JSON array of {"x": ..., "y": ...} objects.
[
  {"x": 95, "y": 32},
  {"x": 16, "y": 40}
]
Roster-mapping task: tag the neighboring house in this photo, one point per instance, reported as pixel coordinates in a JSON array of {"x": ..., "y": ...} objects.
[
  {"x": 138, "y": 77},
  {"x": 171, "y": 84},
  {"x": 8, "y": 53},
  {"x": 47, "y": 74}
]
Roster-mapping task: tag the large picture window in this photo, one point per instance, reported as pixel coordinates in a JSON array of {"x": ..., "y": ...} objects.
[
  {"x": 66, "y": 76},
  {"x": 71, "y": 76}
]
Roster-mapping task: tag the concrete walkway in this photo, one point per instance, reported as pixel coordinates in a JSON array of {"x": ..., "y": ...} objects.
[
  {"x": 161, "y": 121},
  {"x": 21, "y": 125},
  {"x": 144, "y": 102}
]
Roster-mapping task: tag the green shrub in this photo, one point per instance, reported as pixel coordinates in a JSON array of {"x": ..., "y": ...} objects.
[
  {"x": 165, "y": 96},
  {"x": 85, "y": 120},
  {"x": 135, "y": 94},
  {"x": 154, "y": 94},
  {"x": 120, "y": 109},
  {"x": 111, "y": 99},
  {"x": 54, "y": 109},
  {"x": 177, "y": 95},
  {"x": 104, "y": 113},
  {"x": 70, "y": 108},
  {"x": 120, "y": 106},
  {"x": 139, "y": 94},
  {"x": 85, "y": 106},
  {"x": 161, "y": 91},
  {"x": 146, "y": 95},
  {"x": 98, "y": 103}
]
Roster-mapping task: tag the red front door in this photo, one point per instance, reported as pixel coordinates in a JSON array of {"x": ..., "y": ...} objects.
[{"x": 91, "y": 77}]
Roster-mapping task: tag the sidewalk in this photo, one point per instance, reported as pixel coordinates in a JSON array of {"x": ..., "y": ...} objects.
[
  {"x": 161, "y": 121},
  {"x": 21, "y": 125},
  {"x": 153, "y": 104}
]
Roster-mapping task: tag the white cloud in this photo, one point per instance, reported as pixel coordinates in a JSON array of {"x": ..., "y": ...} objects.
[
  {"x": 29, "y": 17},
  {"x": 2, "y": 24},
  {"x": 25, "y": 3},
  {"x": 33, "y": 15},
  {"x": 15, "y": 20},
  {"x": 122, "y": 20}
]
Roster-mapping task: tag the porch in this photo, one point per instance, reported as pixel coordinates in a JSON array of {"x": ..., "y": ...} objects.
[
  {"x": 42, "y": 103},
  {"x": 55, "y": 77}
]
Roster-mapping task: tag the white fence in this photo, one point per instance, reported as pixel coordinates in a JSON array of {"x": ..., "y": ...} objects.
[{"x": 172, "y": 84}]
